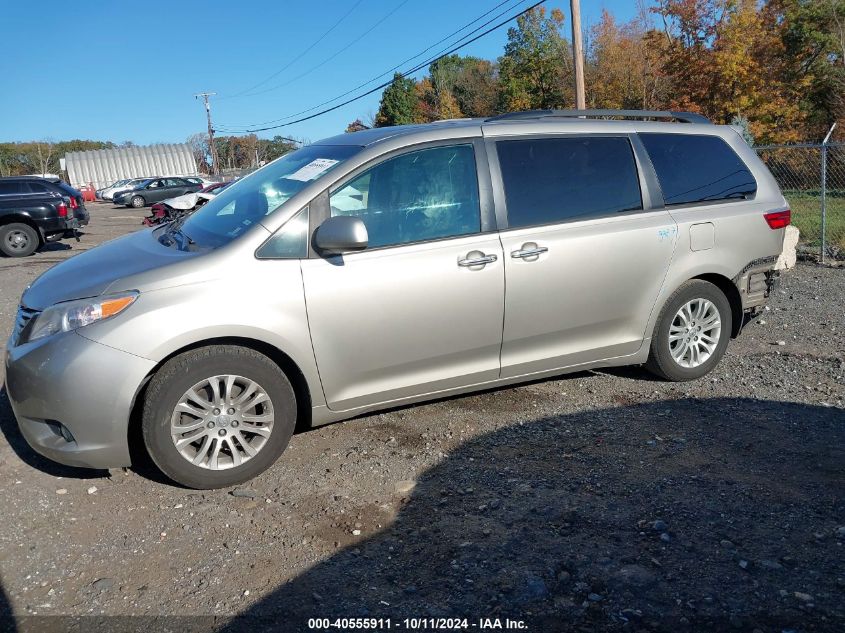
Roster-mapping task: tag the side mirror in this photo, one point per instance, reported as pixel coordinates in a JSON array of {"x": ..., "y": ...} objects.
[{"x": 341, "y": 234}]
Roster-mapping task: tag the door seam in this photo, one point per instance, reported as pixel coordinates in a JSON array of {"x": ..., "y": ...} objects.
[
  {"x": 504, "y": 298},
  {"x": 311, "y": 337}
]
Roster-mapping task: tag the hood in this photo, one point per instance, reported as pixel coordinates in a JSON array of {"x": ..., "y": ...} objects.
[
  {"x": 100, "y": 270},
  {"x": 182, "y": 203}
]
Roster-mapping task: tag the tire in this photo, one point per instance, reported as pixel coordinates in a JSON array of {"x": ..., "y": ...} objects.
[
  {"x": 18, "y": 239},
  {"x": 684, "y": 357},
  {"x": 168, "y": 389},
  {"x": 137, "y": 202}
]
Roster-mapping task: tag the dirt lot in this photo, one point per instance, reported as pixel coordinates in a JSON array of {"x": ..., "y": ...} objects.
[{"x": 602, "y": 499}]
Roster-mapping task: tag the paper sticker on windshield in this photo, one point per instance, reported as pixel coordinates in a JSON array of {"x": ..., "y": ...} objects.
[{"x": 313, "y": 169}]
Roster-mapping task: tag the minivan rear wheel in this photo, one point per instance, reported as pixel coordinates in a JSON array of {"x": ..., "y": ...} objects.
[
  {"x": 692, "y": 332},
  {"x": 217, "y": 416}
]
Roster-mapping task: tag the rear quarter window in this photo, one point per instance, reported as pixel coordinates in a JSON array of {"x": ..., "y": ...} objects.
[
  {"x": 694, "y": 169},
  {"x": 66, "y": 188}
]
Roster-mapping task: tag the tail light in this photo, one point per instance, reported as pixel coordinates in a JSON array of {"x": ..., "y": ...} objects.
[
  {"x": 778, "y": 219},
  {"x": 73, "y": 203},
  {"x": 62, "y": 209}
]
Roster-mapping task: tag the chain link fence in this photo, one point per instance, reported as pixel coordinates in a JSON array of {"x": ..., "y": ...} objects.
[{"x": 812, "y": 178}]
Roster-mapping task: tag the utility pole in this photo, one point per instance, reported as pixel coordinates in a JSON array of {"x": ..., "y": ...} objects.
[
  {"x": 211, "y": 148},
  {"x": 578, "y": 54}
]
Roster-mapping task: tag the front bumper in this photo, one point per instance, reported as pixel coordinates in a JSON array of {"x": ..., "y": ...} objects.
[{"x": 84, "y": 386}]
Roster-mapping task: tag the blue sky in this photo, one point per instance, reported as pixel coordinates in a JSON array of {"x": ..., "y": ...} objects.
[{"x": 128, "y": 70}]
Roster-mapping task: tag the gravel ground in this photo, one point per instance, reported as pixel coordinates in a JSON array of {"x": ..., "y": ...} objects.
[{"x": 602, "y": 499}]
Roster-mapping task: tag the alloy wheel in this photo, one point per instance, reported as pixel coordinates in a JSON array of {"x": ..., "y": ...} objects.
[
  {"x": 222, "y": 422},
  {"x": 695, "y": 332}
]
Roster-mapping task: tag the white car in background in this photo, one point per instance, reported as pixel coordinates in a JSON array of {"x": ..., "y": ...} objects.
[
  {"x": 120, "y": 186},
  {"x": 190, "y": 200}
]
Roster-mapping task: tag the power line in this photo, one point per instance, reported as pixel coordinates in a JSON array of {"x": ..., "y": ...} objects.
[
  {"x": 300, "y": 56},
  {"x": 333, "y": 55},
  {"x": 399, "y": 65},
  {"x": 413, "y": 70}
]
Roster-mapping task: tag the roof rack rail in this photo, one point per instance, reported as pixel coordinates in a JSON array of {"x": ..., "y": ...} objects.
[{"x": 682, "y": 117}]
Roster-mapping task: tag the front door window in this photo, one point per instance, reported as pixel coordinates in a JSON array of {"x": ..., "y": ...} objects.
[{"x": 425, "y": 195}]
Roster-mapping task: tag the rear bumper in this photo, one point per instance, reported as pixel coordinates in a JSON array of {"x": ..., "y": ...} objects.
[
  {"x": 62, "y": 226},
  {"x": 82, "y": 216},
  {"x": 70, "y": 381},
  {"x": 756, "y": 281}
]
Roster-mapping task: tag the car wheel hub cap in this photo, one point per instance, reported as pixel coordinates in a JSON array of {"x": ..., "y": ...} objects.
[
  {"x": 695, "y": 332},
  {"x": 222, "y": 422},
  {"x": 17, "y": 239}
]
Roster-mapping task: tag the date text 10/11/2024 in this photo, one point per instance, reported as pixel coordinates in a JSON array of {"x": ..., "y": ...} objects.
[{"x": 415, "y": 624}]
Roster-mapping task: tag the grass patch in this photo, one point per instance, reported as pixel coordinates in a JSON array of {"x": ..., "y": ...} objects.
[{"x": 807, "y": 216}]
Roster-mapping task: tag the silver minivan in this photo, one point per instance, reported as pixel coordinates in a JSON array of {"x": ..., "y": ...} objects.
[{"x": 391, "y": 266}]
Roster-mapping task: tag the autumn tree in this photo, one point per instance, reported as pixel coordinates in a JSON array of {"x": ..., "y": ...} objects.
[
  {"x": 623, "y": 69},
  {"x": 725, "y": 58},
  {"x": 471, "y": 81},
  {"x": 356, "y": 126}
]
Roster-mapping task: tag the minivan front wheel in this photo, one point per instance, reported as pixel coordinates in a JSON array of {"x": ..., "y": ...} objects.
[
  {"x": 218, "y": 416},
  {"x": 137, "y": 202},
  {"x": 692, "y": 332}
]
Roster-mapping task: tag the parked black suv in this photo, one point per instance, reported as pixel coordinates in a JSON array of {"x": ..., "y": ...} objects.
[
  {"x": 156, "y": 190},
  {"x": 36, "y": 210}
]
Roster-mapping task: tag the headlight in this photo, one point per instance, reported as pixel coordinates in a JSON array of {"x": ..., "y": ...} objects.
[{"x": 72, "y": 315}]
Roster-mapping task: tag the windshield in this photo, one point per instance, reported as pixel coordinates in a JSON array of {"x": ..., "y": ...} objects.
[{"x": 247, "y": 201}]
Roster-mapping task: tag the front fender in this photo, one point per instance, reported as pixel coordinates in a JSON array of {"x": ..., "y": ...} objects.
[{"x": 246, "y": 306}]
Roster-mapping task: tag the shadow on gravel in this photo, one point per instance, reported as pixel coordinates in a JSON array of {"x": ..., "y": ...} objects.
[
  {"x": 57, "y": 246},
  {"x": 10, "y": 430},
  {"x": 7, "y": 622},
  {"x": 679, "y": 515}
]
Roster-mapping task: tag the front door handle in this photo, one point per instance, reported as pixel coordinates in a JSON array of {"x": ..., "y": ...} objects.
[
  {"x": 476, "y": 258},
  {"x": 528, "y": 250}
]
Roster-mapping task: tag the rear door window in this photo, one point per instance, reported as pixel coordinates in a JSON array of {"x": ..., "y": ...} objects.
[
  {"x": 695, "y": 169},
  {"x": 9, "y": 188},
  {"x": 552, "y": 180}
]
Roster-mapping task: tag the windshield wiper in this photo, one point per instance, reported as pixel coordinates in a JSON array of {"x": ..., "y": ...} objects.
[{"x": 175, "y": 229}]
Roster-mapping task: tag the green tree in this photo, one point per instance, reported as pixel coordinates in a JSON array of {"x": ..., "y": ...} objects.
[
  {"x": 271, "y": 149},
  {"x": 536, "y": 69},
  {"x": 814, "y": 41},
  {"x": 397, "y": 103}
]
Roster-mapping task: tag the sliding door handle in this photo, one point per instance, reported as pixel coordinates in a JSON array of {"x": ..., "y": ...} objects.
[{"x": 529, "y": 250}]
